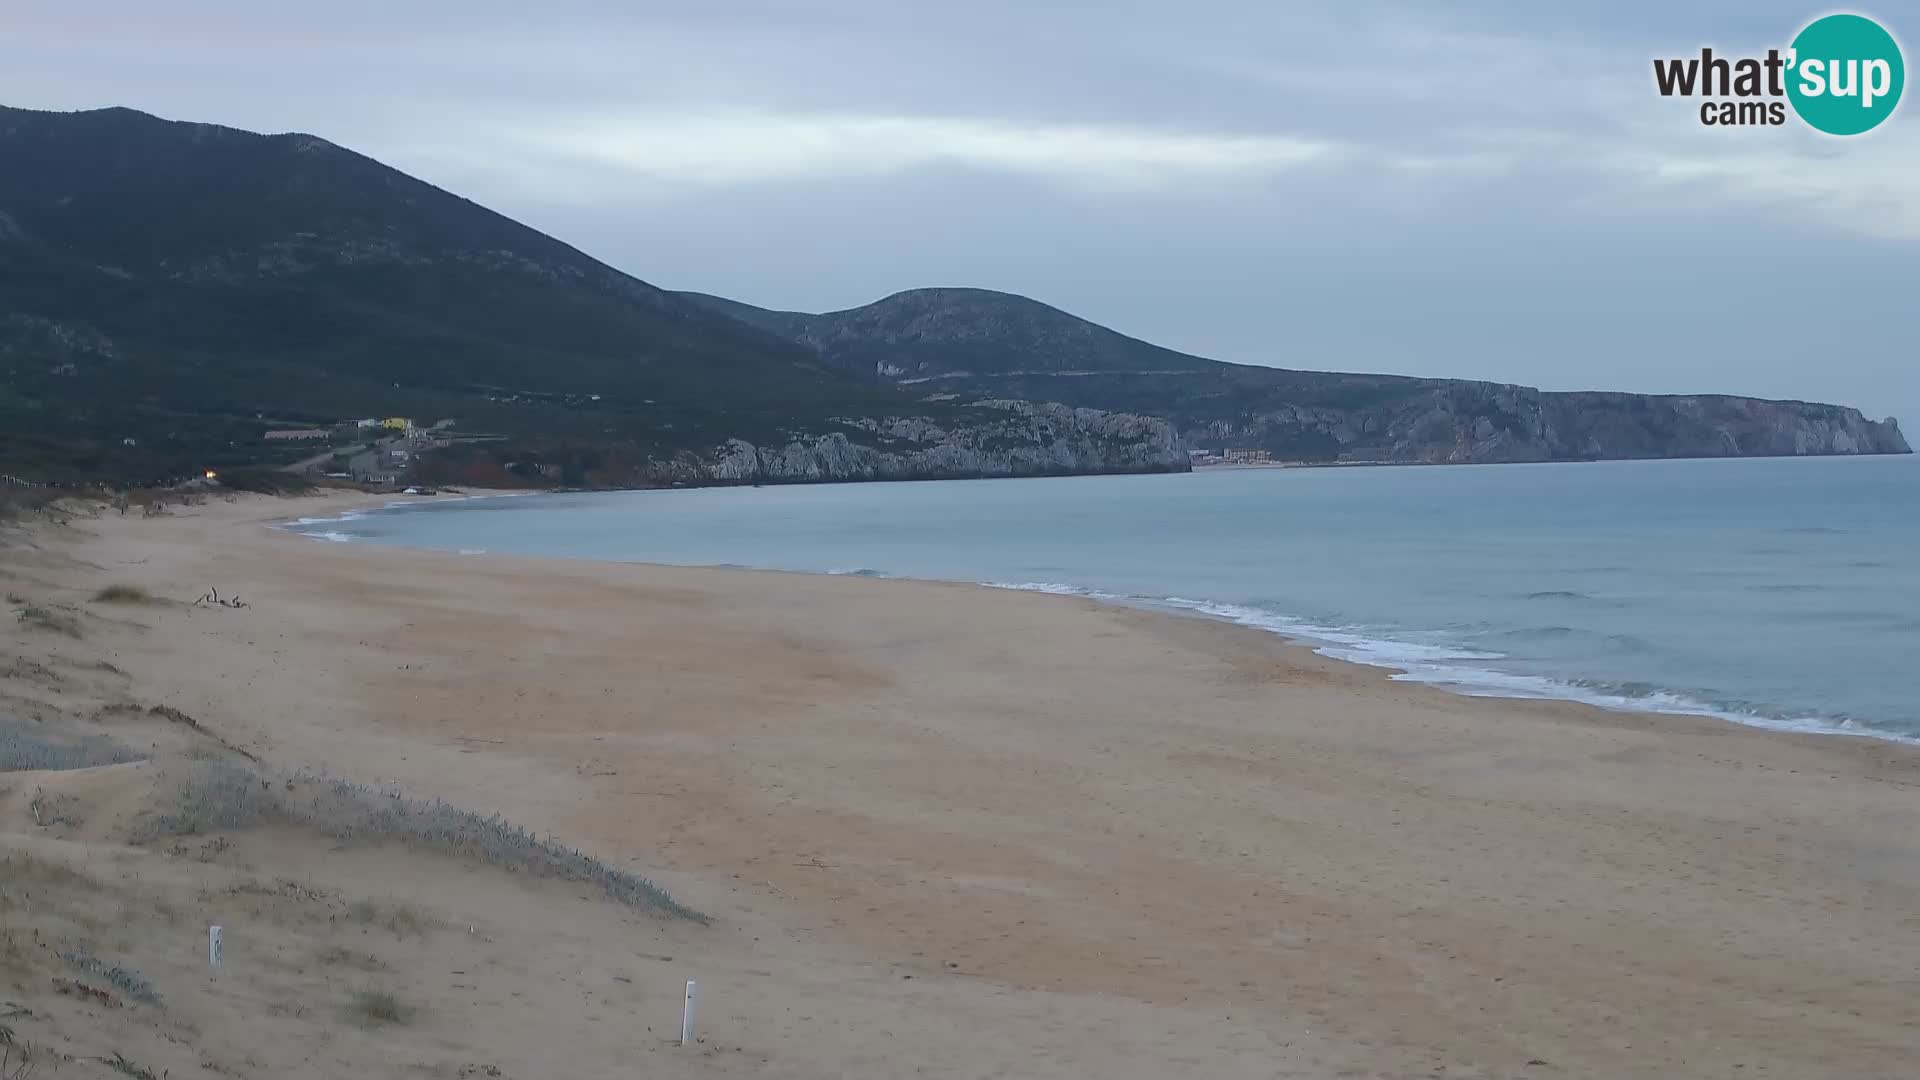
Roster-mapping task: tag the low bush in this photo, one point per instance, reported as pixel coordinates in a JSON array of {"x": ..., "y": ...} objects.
[
  {"x": 128, "y": 981},
  {"x": 378, "y": 1008},
  {"x": 123, "y": 594},
  {"x": 397, "y": 917}
]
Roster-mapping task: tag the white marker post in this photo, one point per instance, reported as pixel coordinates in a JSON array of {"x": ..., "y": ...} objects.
[
  {"x": 213, "y": 947},
  {"x": 686, "y": 1017}
]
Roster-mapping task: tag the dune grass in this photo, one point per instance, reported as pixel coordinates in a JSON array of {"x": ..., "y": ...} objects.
[
  {"x": 22, "y": 502},
  {"x": 396, "y": 916},
  {"x": 339, "y": 956},
  {"x": 124, "y": 594},
  {"x": 41, "y": 617},
  {"x": 128, "y": 981},
  {"x": 26, "y": 746},
  {"x": 215, "y": 796},
  {"x": 379, "y": 1008},
  {"x": 22, "y": 873}
]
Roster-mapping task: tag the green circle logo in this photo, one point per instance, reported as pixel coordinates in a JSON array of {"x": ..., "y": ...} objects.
[{"x": 1845, "y": 74}]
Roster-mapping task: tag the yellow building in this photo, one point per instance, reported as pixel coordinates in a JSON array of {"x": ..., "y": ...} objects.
[{"x": 397, "y": 423}]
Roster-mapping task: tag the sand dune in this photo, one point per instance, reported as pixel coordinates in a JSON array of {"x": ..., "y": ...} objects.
[{"x": 949, "y": 831}]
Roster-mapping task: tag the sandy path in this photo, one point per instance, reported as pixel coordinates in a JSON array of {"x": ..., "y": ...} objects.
[{"x": 1097, "y": 840}]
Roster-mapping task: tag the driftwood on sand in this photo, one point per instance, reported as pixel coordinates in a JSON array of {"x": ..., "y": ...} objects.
[{"x": 212, "y": 599}]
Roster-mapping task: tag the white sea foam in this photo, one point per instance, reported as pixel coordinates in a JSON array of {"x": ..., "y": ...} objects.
[
  {"x": 1341, "y": 642},
  {"x": 1056, "y": 589},
  {"x": 1458, "y": 669},
  {"x": 305, "y": 525},
  {"x": 307, "y": 522}
]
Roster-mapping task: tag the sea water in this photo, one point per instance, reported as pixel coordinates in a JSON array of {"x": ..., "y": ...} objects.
[{"x": 1780, "y": 592}]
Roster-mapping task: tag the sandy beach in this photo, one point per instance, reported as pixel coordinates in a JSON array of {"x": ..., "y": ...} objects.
[{"x": 943, "y": 830}]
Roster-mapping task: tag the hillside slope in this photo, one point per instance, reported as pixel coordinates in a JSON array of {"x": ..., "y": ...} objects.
[
  {"x": 978, "y": 342},
  {"x": 926, "y": 334},
  {"x": 169, "y": 291}
]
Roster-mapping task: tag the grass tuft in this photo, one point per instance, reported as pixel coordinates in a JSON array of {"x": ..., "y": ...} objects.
[
  {"x": 128, "y": 981},
  {"x": 121, "y": 1064},
  {"x": 45, "y": 618},
  {"x": 379, "y": 1008},
  {"x": 124, "y": 594},
  {"x": 396, "y": 916},
  {"x": 337, "y": 956}
]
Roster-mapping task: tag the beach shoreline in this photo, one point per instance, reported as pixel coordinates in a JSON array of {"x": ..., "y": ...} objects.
[
  {"x": 1336, "y": 642},
  {"x": 1179, "y": 843}
]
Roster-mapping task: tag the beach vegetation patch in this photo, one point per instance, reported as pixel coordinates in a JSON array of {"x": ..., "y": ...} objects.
[
  {"x": 211, "y": 797},
  {"x": 45, "y": 618},
  {"x": 128, "y": 981},
  {"x": 339, "y": 956},
  {"x": 379, "y": 1008},
  {"x": 26, "y": 746},
  {"x": 396, "y": 916}
]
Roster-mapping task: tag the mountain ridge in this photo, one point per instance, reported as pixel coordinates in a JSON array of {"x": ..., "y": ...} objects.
[
  {"x": 979, "y": 341},
  {"x": 166, "y": 287}
]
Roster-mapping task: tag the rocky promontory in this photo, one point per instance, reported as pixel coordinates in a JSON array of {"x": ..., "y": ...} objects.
[
  {"x": 1004, "y": 438},
  {"x": 978, "y": 342}
]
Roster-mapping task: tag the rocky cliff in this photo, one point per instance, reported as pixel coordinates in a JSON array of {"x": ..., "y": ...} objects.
[
  {"x": 1462, "y": 422},
  {"x": 1005, "y": 438}
]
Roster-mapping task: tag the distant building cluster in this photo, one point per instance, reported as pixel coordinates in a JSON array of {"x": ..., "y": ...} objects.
[
  {"x": 377, "y": 450},
  {"x": 1231, "y": 456},
  {"x": 391, "y": 423},
  {"x": 401, "y": 424}
]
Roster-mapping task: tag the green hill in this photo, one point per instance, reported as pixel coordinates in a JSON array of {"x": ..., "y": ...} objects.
[{"x": 187, "y": 286}]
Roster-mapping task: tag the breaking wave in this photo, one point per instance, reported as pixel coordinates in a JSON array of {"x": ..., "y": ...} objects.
[{"x": 1469, "y": 671}]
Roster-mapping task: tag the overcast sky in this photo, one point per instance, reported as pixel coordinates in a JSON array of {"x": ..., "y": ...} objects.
[{"x": 1492, "y": 190}]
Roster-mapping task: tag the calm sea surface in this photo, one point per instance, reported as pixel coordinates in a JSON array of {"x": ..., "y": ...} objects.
[{"x": 1783, "y": 592}]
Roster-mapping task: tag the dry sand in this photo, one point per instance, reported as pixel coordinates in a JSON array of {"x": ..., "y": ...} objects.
[{"x": 940, "y": 830}]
